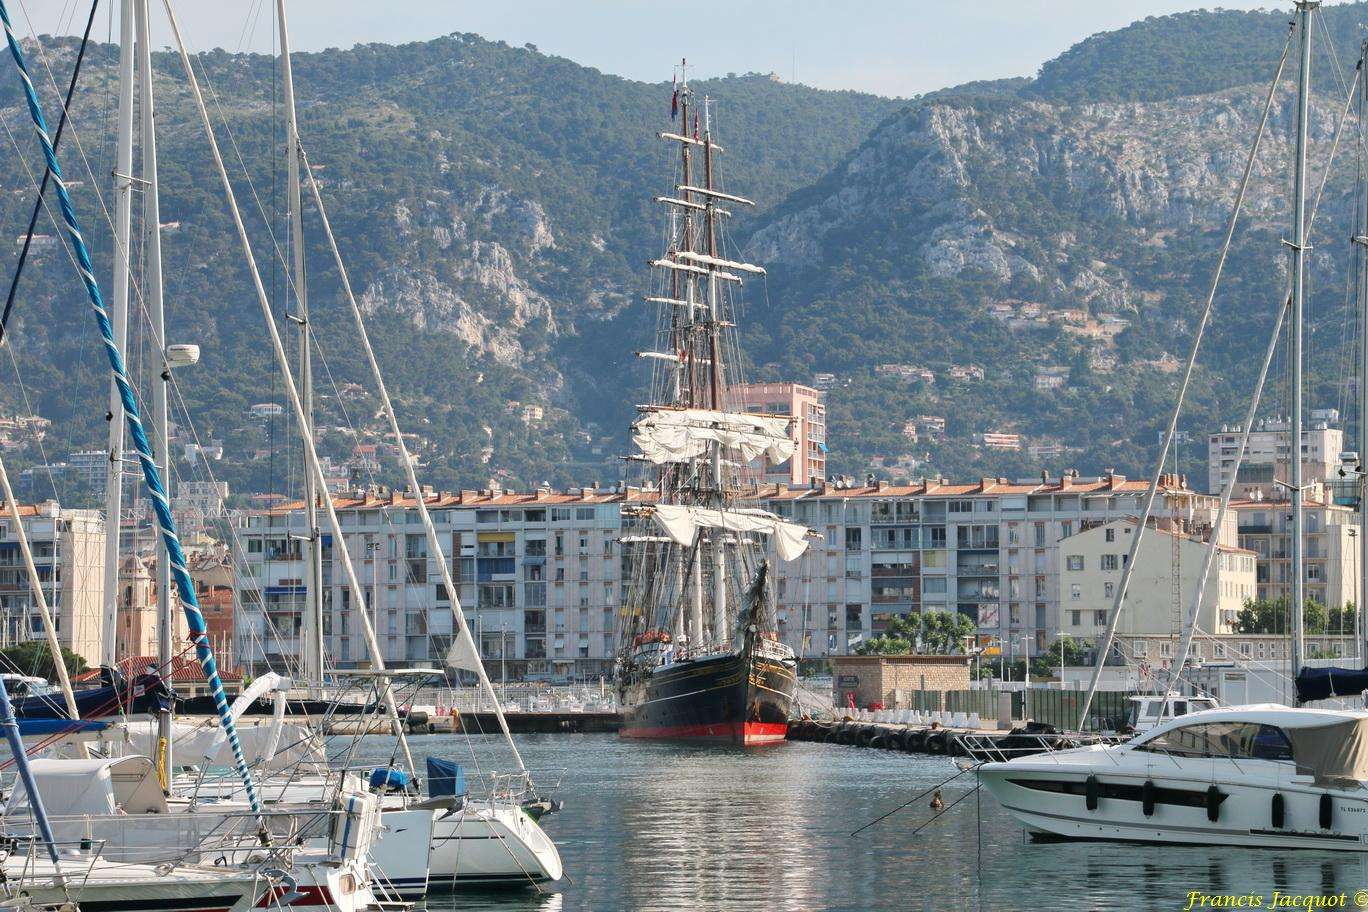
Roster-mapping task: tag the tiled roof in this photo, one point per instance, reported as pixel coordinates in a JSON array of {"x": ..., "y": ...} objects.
[
  {"x": 184, "y": 670},
  {"x": 1107, "y": 484}
]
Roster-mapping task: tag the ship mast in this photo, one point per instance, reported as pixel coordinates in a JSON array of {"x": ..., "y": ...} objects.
[
  {"x": 690, "y": 393},
  {"x": 1305, "y": 8},
  {"x": 721, "y": 628}
]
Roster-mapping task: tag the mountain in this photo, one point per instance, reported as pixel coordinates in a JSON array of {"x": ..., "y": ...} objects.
[
  {"x": 1060, "y": 235},
  {"x": 493, "y": 206},
  {"x": 1041, "y": 247}
]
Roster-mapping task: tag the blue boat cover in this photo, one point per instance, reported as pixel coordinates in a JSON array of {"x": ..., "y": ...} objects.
[
  {"x": 386, "y": 778},
  {"x": 39, "y": 727},
  {"x": 1323, "y": 683},
  {"x": 445, "y": 777}
]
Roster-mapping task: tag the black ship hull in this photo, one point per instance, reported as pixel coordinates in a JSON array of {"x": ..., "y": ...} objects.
[{"x": 731, "y": 698}]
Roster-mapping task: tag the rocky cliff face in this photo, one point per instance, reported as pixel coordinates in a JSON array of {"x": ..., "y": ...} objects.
[
  {"x": 476, "y": 288},
  {"x": 963, "y": 187},
  {"x": 1067, "y": 244}
]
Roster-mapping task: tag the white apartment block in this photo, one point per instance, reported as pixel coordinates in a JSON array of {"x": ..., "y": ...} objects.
[
  {"x": 1162, "y": 583},
  {"x": 538, "y": 574},
  {"x": 541, "y": 573},
  {"x": 1266, "y": 456},
  {"x": 68, "y": 553},
  {"x": 989, "y": 550},
  {"x": 1331, "y": 542}
]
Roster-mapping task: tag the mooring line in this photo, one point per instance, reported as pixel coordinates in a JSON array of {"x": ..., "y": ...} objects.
[{"x": 912, "y": 800}]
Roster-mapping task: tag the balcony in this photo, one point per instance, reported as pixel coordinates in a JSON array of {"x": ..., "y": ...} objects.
[{"x": 978, "y": 568}]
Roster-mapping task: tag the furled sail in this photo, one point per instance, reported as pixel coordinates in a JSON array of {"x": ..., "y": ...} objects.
[
  {"x": 682, "y": 521},
  {"x": 677, "y": 435}
]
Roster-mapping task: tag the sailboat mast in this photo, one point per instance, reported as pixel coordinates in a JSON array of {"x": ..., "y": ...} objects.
[
  {"x": 123, "y": 221},
  {"x": 152, "y": 299},
  {"x": 1361, "y": 255},
  {"x": 313, "y": 589},
  {"x": 1305, "y": 8}
]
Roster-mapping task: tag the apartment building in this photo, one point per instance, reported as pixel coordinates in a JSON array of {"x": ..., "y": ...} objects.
[
  {"x": 68, "y": 553},
  {"x": 1167, "y": 568},
  {"x": 807, "y": 407},
  {"x": 1331, "y": 543},
  {"x": 989, "y": 551},
  {"x": 541, "y": 574},
  {"x": 538, "y": 574},
  {"x": 1266, "y": 457}
]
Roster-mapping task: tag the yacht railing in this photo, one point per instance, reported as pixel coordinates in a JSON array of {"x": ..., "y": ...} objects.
[{"x": 980, "y": 748}]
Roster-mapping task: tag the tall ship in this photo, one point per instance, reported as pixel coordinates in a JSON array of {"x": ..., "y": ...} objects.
[{"x": 700, "y": 657}]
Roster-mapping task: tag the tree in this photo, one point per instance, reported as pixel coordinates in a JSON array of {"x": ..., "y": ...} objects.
[
  {"x": 935, "y": 633},
  {"x": 33, "y": 658},
  {"x": 1063, "y": 651},
  {"x": 1273, "y": 616}
]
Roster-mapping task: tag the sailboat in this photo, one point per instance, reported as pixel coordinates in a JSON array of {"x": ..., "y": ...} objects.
[
  {"x": 1265, "y": 775},
  {"x": 700, "y": 658},
  {"x": 474, "y": 838}
]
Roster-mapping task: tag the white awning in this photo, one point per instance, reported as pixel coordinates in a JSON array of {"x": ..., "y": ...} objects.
[
  {"x": 682, "y": 522},
  {"x": 676, "y": 435}
]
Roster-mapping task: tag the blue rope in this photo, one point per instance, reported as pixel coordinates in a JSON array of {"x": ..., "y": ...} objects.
[{"x": 151, "y": 475}]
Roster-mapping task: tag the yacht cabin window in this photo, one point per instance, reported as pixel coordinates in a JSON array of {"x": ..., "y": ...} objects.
[{"x": 1233, "y": 740}]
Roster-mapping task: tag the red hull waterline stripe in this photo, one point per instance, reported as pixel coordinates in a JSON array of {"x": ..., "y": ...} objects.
[{"x": 746, "y": 733}]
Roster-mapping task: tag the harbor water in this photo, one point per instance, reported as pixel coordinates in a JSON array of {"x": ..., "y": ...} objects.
[{"x": 656, "y": 826}]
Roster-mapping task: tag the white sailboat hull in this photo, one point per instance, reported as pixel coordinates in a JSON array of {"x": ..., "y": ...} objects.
[
  {"x": 490, "y": 845},
  {"x": 99, "y": 885}
]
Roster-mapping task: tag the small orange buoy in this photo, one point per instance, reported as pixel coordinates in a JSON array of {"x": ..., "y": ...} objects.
[{"x": 937, "y": 802}]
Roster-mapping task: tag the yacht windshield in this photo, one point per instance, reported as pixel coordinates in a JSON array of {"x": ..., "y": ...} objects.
[{"x": 1234, "y": 740}]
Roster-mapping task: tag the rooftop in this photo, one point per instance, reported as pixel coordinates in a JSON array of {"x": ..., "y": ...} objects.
[{"x": 1111, "y": 484}]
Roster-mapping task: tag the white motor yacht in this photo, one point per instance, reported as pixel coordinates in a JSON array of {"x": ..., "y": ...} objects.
[{"x": 1262, "y": 775}]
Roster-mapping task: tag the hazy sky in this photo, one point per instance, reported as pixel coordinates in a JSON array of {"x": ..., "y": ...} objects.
[{"x": 892, "y": 47}]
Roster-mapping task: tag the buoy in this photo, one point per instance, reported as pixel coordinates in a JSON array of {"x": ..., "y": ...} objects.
[
  {"x": 1147, "y": 797},
  {"x": 1327, "y": 811},
  {"x": 1091, "y": 792},
  {"x": 1213, "y": 803},
  {"x": 937, "y": 802},
  {"x": 1279, "y": 811}
]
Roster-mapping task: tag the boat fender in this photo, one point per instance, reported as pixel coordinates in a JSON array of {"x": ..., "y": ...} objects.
[
  {"x": 1213, "y": 803},
  {"x": 1327, "y": 811},
  {"x": 1147, "y": 792},
  {"x": 935, "y": 743},
  {"x": 1091, "y": 792},
  {"x": 1279, "y": 811}
]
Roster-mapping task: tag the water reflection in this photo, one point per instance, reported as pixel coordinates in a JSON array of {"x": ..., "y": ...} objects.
[{"x": 652, "y": 826}]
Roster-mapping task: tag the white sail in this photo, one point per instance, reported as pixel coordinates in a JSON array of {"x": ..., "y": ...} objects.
[
  {"x": 682, "y": 521},
  {"x": 718, "y": 261},
  {"x": 678, "y": 435}
]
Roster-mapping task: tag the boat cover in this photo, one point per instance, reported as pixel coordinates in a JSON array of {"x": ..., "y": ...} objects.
[
  {"x": 124, "y": 785},
  {"x": 1335, "y": 754},
  {"x": 387, "y": 779},
  {"x": 445, "y": 777},
  {"x": 1323, "y": 683}
]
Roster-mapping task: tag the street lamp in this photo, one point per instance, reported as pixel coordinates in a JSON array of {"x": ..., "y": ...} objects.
[{"x": 1026, "y": 676}]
